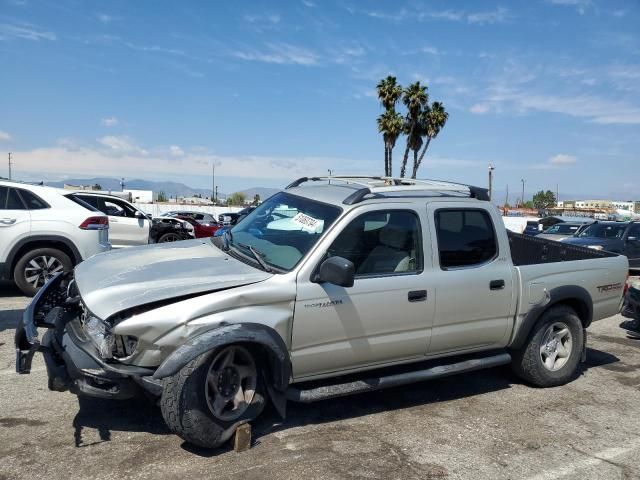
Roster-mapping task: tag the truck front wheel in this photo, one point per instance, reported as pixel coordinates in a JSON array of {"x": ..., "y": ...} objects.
[
  {"x": 552, "y": 353},
  {"x": 212, "y": 395}
]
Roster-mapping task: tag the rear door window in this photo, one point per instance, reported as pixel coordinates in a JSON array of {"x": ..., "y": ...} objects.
[
  {"x": 32, "y": 201},
  {"x": 466, "y": 238},
  {"x": 14, "y": 202}
]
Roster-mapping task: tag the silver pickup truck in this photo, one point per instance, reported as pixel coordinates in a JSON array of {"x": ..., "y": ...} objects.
[{"x": 333, "y": 286}]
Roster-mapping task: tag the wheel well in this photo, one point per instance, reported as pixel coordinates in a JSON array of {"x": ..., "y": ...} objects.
[
  {"x": 578, "y": 306},
  {"x": 33, "y": 245}
]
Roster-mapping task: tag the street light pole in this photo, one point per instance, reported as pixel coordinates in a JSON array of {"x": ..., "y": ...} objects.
[
  {"x": 9, "y": 165},
  {"x": 522, "y": 198},
  {"x": 330, "y": 171},
  {"x": 491, "y": 169}
]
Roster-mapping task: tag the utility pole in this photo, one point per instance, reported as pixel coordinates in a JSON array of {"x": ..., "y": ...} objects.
[
  {"x": 506, "y": 199},
  {"x": 522, "y": 198},
  {"x": 213, "y": 181},
  {"x": 9, "y": 165},
  {"x": 491, "y": 169},
  {"x": 122, "y": 183},
  {"x": 329, "y": 170},
  {"x": 216, "y": 195},
  {"x": 557, "y": 195}
]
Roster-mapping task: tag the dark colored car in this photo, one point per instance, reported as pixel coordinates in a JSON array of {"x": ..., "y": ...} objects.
[
  {"x": 563, "y": 230},
  {"x": 168, "y": 229},
  {"x": 200, "y": 230},
  {"x": 532, "y": 228},
  {"x": 200, "y": 217},
  {"x": 232, "y": 218},
  {"x": 617, "y": 237}
]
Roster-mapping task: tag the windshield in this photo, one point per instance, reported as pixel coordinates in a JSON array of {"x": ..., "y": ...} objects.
[
  {"x": 282, "y": 229},
  {"x": 563, "y": 229},
  {"x": 601, "y": 230}
]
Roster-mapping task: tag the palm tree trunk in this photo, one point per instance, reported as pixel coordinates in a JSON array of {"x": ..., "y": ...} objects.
[
  {"x": 390, "y": 173},
  {"x": 415, "y": 164},
  {"x": 386, "y": 159},
  {"x": 424, "y": 150}
]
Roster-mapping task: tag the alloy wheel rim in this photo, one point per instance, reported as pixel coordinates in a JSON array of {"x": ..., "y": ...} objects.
[
  {"x": 40, "y": 269},
  {"x": 556, "y": 346},
  {"x": 231, "y": 383}
]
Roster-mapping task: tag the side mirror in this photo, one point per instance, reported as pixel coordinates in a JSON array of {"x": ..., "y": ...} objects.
[
  {"x": 336, "y": 270},
  {"x": 140, "y": 214}
]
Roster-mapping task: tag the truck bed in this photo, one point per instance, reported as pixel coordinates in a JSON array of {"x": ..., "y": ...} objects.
[{"x": 528, "y": 250}]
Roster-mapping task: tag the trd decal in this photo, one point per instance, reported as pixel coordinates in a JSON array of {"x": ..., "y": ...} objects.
[{"x": 609, "y": 288}]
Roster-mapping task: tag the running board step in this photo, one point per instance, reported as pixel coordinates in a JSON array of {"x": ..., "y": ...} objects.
[{"x": 370, "y": 384}]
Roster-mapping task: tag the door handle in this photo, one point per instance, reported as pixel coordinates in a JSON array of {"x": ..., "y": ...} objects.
[
  {"x": 7, "y": 221},
  {"x": 417, "y": 296},
  {"x": 496, "y": 284}
]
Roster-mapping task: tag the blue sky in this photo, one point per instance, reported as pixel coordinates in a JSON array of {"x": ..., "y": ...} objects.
[{"x": 546, "y": 90}]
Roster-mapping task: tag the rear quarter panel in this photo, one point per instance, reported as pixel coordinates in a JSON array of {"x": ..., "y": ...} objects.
[{"x": 602, "y": 278}]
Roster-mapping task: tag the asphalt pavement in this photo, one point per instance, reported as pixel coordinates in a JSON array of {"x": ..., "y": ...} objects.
[{"x": 479, "y": 425}]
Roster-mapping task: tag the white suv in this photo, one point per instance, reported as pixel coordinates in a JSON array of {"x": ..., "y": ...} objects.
[
  {"x": 42, "y": 232},
  {"x": 128, "y": 225}
]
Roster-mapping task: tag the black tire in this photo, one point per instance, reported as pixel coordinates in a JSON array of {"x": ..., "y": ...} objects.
[
  {"x": 185, "y": 408},
  {"x": 170, "y": 237},
  {"x": 25, "y": 271},
  {"x": 529, "y": 362}
]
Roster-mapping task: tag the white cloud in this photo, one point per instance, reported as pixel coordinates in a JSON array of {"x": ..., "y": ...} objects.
[
  {"x": 104, "y": 18},
  {"x": 269, "y": 18},
  {"x": 25, "y": 31},
  {"x": 563, "y": 159},
  {"x": 431, "y": 50},
  {"x": 581, "y": 5},
  {"x": 124, "y": 158},
  {"x": 176, "y": 151},
  {"x": 121, "y": 145},
  {"x": 4, "y": 136},
  {"x": 480, "y": 108},
  {"x": 109, "y": 121},
  {"x": 487, "y": 18},
  {"x": 280, "y": 53},
  {"x": 308, "y": 3}
]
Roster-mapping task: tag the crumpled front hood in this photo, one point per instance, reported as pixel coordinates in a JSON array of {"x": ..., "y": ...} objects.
[{"x": 120, "y": 279}]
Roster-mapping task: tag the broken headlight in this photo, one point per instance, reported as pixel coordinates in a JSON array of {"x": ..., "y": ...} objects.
[{"x": 100, "y": 335}]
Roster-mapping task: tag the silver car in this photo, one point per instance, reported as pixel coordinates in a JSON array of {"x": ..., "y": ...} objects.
[{"x": 359, "y": 275}]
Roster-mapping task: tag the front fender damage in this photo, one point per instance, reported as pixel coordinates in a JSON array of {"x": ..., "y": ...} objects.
[{"x": 278, "y": 370}]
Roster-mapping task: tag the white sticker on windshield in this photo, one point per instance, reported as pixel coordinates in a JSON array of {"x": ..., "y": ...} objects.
[{"x": 307, "y": 223}]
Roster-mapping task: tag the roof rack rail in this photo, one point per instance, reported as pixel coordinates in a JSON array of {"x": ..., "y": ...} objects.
[
  {"x": 22, "y": 182},
  {"x": 375, "y": 185}
]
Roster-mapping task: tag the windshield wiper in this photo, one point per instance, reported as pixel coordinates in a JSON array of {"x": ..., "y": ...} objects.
[{"x": 258, "y": 256}]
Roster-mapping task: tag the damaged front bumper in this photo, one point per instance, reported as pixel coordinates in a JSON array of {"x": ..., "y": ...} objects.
[{"x": 73, "y": 363}]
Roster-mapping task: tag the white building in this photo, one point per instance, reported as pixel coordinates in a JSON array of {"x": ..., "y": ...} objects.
[{"x": 139, "y": 196}]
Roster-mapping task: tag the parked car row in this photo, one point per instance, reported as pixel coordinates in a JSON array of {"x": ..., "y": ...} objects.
[{"x": 44, "y": 230}]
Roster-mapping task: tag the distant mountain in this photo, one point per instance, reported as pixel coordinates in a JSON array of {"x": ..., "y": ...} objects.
[{"x": 170, "y": 189}]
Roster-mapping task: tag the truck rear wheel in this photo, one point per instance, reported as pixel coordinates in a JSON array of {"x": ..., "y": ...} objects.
[
  {"x": 552, "y": 353},
  {"x": 212, "y": 395}
]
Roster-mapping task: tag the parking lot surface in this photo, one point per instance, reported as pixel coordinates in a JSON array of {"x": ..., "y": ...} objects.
[{"x": 479, "y": 425}]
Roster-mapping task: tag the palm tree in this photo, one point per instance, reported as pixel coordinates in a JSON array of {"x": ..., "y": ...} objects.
[
  {"x": 433, "y": 119},
  {"x": 390, "y": 124},
  {"x": 415, "y": 98},
  {"x": 389, "y": 92}
]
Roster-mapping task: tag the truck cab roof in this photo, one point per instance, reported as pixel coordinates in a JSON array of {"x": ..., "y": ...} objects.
[{"x": 354, "y": 190}]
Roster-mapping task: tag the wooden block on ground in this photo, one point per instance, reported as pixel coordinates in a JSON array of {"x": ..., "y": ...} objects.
[{"x": 242, "y": 440}]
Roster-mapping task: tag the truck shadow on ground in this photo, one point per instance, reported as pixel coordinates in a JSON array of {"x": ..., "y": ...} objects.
[
  {"x": 142, "y": 415},
  {"x": 435, "y": 391}
]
